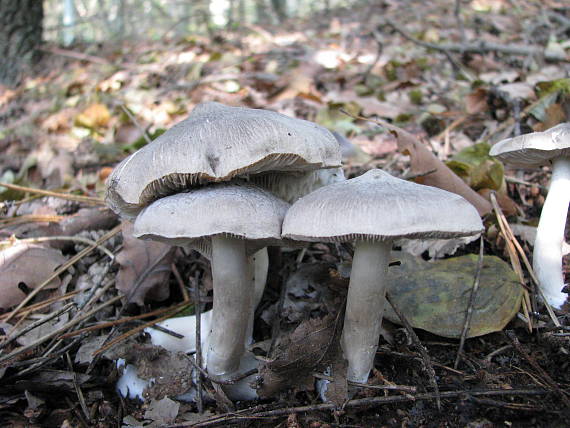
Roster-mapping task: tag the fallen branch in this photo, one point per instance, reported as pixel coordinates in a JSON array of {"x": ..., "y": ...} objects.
[
  {"x": 483, "y": 46},
  {"x": 246, "y": 414}
]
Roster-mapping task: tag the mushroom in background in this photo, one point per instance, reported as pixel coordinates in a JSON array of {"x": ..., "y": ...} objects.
[
  {"x": 373, "y": 210},
  {"x": 551, "y": 147}
]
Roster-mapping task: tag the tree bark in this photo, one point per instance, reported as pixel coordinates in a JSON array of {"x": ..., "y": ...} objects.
[{"x": 20, "y": 36}]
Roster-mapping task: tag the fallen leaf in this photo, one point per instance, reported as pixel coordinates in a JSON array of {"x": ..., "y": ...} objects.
[
  {"x": 371, "y": 106},
  {"x": 162, "y": 412},
  {"x": 479, "y": 170},
  {"x": 135, "y": 259},
  {"x": 95, "y": 116},
  {"x": 298, "y": 354},
  {"x": 434, "y": 296},
  {"x": 25, "y": 266},
  {"x": 476, "y": 101}
]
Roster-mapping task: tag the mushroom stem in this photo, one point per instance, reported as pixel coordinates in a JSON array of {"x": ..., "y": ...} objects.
[
  {"x": 233, "y": 293},
  {"x": 365, "y": 307},
  {"x": 548, "y": 247}
]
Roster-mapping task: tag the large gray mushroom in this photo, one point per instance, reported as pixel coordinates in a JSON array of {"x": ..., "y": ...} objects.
[
  {"x": 219, "y": 143},
  {"x": 551, "y": 147},
  {"x": 373, "y": 210},
  {"x": 235, "y": 220}
]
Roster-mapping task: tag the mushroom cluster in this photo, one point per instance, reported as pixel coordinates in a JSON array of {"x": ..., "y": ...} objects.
[
  {"x": 203, "y": 184},
  {"x": 230, "y": 181}
]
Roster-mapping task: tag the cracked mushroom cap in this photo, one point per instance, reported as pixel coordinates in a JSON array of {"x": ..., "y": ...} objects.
[
  {"x": 217, "y": 143},
  {"x": 377, "y": 206},
  {"x": 230, "y": 209},
  {"x": 534, "y": 149}
]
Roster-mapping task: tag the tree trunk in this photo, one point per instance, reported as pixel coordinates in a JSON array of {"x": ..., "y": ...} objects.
[
  {"x": 279, "y": 7},
  {"x": 20, "y": 35}
]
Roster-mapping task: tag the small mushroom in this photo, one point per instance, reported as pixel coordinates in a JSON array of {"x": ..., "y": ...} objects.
[
  {"x": 373, "y": 210},
  {"x": 218, "y": 143},
  {"x": 551, "y": 147},
  {"x": 236, "y": 220}
]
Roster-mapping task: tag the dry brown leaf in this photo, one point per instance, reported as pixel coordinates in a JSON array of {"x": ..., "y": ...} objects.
[
  {"x": 370, "y": 106},
  {"x": 476, "y": 101},
  {"x": 423, "y": 161},
  {"x": 60, "y": 121},
  {"x": 95, "y": 116},
  {"x": 25, "y": 266},
  {"x": 140, "y": 275},
  {"x": 297, "y": 356}
]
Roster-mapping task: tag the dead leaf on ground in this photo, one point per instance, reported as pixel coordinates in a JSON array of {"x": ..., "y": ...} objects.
[
  {"x": 24, "y": 267},
  {"x": 371, "y": 106},
  {"x": 297, "y": 356},
  {"x": 423, "y": 162},
  {"x": 162, "y": 412},
  {"x": 434, "y": 296},
  {"x": 95, "y": 116},
  {"x": 135, "y": 259}
]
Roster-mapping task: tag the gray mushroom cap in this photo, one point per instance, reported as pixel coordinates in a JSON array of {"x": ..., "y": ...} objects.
[
  {"x": 534, "y": 149},
  {"x": 377, "y": 206},
  {"x": 239, "y": 210},
  {"x": 217, "y": 143}
]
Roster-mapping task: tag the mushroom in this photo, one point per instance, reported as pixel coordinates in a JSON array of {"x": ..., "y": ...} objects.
[
  {"x": 131, "y": 385},
  {"x": 373, "y": 210},
  {"x": 551, "y": 147},
  {"x": 218, "y": 143},
  {"x": 236, "y": 220}
]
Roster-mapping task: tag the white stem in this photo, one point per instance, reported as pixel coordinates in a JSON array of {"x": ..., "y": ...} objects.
[
  {"x": 233, "y": 295},
  {"x": 365, "y": 307},
  {"x": 548, "y": 247}
]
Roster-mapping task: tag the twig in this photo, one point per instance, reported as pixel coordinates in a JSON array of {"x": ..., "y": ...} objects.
[
  {"x": 472, "y": 297},
  {"x": 459, "y": 19},
  {"x": 483, "y": 46},
  {"x": 511, "y": 239},
  {"x": 54, "y": 333},
  {"x": 517, "y": 345},
  {"x": 122, "y": 321},
  {"x": 60, "y": 238},
  {"x": 243, "y": 415},
  {"x": 68, "y": 196},
  {"x": 9, "y": 339},
  {"x": 276, "y": 327},
  {"x": 180, "y": 281},
  {"x": 456, "y": 65},
  {"x": 404, "y": 388},
  {"x": 136, "y": 123},
  {"x": 198, "y": 313},
  {"x": 62, "y": 269},
  {"x": 78, "y": 391},
  {"x": 41, "y": 305},
  {"x": 496, "y": 352},
  {"x": 111, "y": 343},
  {"x": 515, "y": 180},
  {"x": 77, "y": 55},
  {"x": 31, "y": 218},
  {"x": 415, "y": 339}
]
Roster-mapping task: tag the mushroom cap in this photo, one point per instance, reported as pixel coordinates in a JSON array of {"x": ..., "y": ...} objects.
[
  {"x": 377, "y": 206},
  {"x": 534, "y": 149},
  {"x": 217, "y": 143},
  {"x": 230, "y": 209}
]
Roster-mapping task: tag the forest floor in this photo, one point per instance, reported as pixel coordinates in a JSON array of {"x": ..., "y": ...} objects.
[{"x": 456, "y": 82}]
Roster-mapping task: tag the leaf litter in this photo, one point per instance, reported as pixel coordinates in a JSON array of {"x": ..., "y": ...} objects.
[{"x": 432, "y": 111}]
